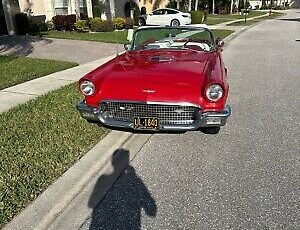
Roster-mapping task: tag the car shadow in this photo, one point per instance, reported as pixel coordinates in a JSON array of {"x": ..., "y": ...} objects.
[
  {"x": 122, "y": 205},
  {"x": 290, "y": 19},
  {"x": 142, "y": 131},
  {"x": 19, "y": 45}
]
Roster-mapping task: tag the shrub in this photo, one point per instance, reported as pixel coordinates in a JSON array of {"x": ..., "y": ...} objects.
[
  {"x": 197, "y": 17},
  {"x": 143, "y": 10},
  {"x": 119, "y": 23},
  {"x": 205, "y": 15},
  {"x": 22, "y": 23},
  {"x": 64, "y": 22},
  {"x": 50, "y": 25},
  {"x": 84, "y": 16},
  {"x": 129, "y": 23},
  {"x": 82, "y": 26},
  {"x": 37, "y": 27},
  {"x": 106, "y": 26},
  {"x": 136, "y": 14},
  {"x": 95, "y": 23}
]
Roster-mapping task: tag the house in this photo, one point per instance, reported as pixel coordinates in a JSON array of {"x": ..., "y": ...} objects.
[
  {"x": 50, "y": 8},
  {"x": 258, "y": 3}
]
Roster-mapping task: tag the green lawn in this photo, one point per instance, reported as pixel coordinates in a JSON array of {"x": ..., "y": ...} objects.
[
  {"x": 242, "y": 23},
  {"x": 16, "y": 70},
  {"x": 214, "y": 21},
  {"x": 39, "y": 141},
  {"x": 111, "y": 37},
  {"x": 274, "y": 15},
  {"x": 220, "y": 18},
  {"x": 222, "y": 33},
  {"x": 251, "y": 22}
]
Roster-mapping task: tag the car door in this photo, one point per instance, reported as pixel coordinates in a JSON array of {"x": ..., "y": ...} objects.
[
  {"x": 155, "y": 17},
  {"x": 170, "y": 15}
]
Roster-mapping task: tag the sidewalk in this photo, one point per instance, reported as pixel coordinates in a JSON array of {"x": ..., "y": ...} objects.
[
  {"x": 21, "y": 93},
  {"x": 77, "y": 51}
]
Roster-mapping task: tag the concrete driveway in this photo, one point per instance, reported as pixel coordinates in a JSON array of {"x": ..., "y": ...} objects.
[{"x": 58, "y": 49}]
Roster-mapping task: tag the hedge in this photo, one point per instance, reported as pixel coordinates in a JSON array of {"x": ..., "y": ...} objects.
[{"x": 64, "y": 22}]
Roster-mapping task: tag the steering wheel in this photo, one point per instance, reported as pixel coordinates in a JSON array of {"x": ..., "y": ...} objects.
[{"x": 194, "y": 45}]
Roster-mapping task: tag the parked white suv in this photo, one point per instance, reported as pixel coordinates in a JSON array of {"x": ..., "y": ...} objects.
[{"x": 165, "y": 16}]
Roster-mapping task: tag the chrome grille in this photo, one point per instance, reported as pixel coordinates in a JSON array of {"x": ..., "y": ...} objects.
[{"x": 167, "y": 114}]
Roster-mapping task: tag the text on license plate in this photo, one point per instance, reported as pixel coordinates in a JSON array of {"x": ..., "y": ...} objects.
[{"x": 145, "y": 123}]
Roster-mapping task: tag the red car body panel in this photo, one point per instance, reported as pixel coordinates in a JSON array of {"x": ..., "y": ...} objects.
[{"x": 174, "y": 76}]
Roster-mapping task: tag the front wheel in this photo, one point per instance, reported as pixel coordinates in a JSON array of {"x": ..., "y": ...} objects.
[
  {"x": 175, "y": 22},
  {"x": 210, "y": 130}
]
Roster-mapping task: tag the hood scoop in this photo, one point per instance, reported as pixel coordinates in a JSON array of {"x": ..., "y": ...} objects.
[{"x": 160, "y": 58}]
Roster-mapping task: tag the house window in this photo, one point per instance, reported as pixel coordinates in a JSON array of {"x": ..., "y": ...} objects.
[
  {"x": 83, "y": 7},
  {"x": 61, "y": 7}
]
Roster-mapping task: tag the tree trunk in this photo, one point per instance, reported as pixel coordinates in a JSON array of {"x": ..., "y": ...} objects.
[
  {"x": 190, "y": 5},
  {"x": 196, "y": 4},
  {"x": 231, "y": 6},
  {"x": 178, "y": 4},
  {"x": 238, "y": 5},
  {"x": 213, "y": 7}
]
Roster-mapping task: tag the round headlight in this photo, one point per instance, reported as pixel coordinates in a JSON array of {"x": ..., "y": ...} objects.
[
  {"x": 87, "y": 88},
  {"x": 214, "y": 92}
]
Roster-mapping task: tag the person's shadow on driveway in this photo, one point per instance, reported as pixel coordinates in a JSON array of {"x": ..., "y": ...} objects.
[{"x": 122, "y": 205}]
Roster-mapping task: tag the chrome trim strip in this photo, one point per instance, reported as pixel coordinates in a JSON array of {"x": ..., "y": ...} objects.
[{"x": 155, "y": 103}]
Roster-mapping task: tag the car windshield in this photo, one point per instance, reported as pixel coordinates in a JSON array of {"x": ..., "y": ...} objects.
[{"x": 200, "y": 39}]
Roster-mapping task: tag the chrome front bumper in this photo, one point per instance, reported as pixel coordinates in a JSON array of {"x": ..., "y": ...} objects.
[{"x": 207, "y": 119}]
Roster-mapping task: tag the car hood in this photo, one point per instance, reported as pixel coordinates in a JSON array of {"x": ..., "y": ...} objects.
[{"x": 158, "y": 76}]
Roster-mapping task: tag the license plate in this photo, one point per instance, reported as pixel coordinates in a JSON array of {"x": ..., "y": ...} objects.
[{"x": 147, "y": 123}]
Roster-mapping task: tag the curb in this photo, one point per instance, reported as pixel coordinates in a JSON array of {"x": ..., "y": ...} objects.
[{"x": 51, "y": 208}]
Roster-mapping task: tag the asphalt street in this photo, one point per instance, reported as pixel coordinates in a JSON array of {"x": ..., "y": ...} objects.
[{"x": 247, "y": 176}]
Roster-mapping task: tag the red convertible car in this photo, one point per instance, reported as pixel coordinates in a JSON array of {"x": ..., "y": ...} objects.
[{"x": 170, "y": 78}]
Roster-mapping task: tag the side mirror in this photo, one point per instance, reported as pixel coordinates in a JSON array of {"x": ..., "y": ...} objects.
[
  {"x": 220, "y": 43},
  {"x": 130, "y": 35},
  {"x": 126, "y": 46}
]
